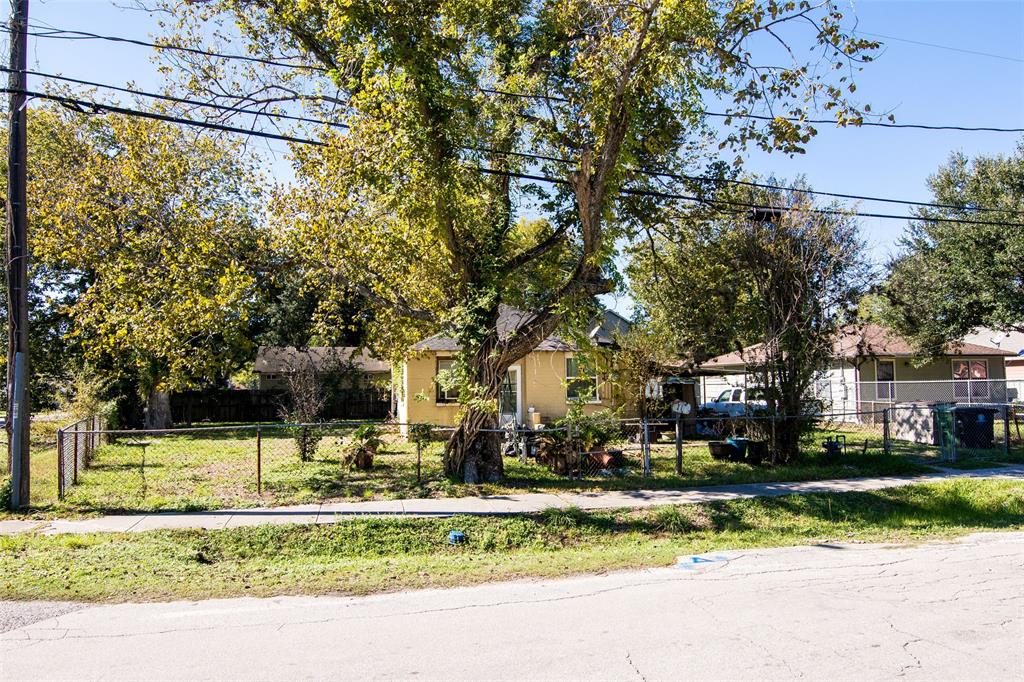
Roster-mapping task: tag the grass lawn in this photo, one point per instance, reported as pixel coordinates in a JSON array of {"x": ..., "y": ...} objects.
[
  {"x": 202, "y": 470},
  {"x": 211, "y": 470},
  {"x": 363, "y": 555}
]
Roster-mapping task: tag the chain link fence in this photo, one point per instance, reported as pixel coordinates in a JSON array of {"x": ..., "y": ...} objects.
[
  {"x": 877, "y": 395},
  {"x": 263, "y": 464},
  {"x": 75, "y": 445},
  {"x": 952, "y": 432}
]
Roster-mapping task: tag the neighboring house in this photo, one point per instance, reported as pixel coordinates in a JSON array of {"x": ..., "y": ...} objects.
[
  {"x": 874, "y": 368},
  {"x": 1010, "y": 341},
  {"x": 274, "y": 364},
  {"x": 539, "y": 388}
]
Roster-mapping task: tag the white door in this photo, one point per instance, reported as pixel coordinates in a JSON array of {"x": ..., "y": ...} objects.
[{"x": 509, "y": 399}]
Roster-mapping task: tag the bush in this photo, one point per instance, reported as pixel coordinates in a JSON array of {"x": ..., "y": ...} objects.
[
  {"x": 89, "y": 397},
  {"x": 594, "y": 431}
]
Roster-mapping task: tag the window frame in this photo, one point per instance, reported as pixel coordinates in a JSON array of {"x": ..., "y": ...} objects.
[
  {"x": 441, "y": 395},
  {"x": 970, "y": 383},
  {"x": 578, "y": 379},
  {"x": 889, "y": 384}
]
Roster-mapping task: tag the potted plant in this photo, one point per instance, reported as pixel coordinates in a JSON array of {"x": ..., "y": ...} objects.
[
  {"x": 554, "y": 450},
  {"x": 367, "y": 440},
  {"x": 593, "y": 432}
]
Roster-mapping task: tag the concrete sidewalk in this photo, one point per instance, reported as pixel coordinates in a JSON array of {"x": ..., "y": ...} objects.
[{"x": 492, "y": 504}]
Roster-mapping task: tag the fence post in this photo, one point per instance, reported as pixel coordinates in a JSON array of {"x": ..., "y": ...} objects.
[
  {"x": 1006, "y": 430},
  {"x": 259, "y": 460},
  {"x": 60, "y": 464},
  {"x": 74, "y": 461},
  {"x": 574, "y": 450},
  {"x": 956, "y": 434},
  {"x": 679, "y": 444},
  {"x": 646, "y": 449},
  {"x": 419, "y": 459},
  {"x": 886, "y": 434}
]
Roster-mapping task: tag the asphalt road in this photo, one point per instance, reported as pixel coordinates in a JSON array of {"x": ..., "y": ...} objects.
[{"x": 938, "y": 611}]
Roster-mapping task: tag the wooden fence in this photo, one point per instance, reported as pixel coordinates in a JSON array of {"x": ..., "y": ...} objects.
[{"x": 189, "y": 407}]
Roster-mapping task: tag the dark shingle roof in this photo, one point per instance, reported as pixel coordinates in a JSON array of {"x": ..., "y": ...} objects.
[
  {"x": 510, "y": 319},
  {"x": 282, "y": 359}
]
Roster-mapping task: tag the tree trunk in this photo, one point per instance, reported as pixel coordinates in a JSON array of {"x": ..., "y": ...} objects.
[
  {"x": 473, "y": 453},
  {"x": 158, "y": 410}
]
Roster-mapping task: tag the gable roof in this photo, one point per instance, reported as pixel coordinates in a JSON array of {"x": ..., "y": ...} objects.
[
  {"x": 510, "y": 319},
  {"x": 858, "y": 341},
  {"x": 283, "y": 359}
]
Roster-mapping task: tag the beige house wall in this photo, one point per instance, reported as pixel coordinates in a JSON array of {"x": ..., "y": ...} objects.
[
  {"x": 936, "y": 370},
  {"x": 542, "y": 386},
  {"x": 1015, "y": 369}
]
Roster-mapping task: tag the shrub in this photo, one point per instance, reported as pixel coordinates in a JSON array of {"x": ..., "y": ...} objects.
[{"x": 594, "y": 431}]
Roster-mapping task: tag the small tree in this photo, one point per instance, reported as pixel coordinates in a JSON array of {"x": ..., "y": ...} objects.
[
  {"x": 778, "y": 282},
  {"x": 806, "y": 270},
  {"x": 304, "y": 402},
  {"x": 88, "y": 396},
  {"x": 640, "y": 361}
]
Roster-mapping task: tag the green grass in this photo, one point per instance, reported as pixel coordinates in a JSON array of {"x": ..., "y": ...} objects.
[
  {"x": 361, "y": 556},
  {"x": 216, "y": 470}
]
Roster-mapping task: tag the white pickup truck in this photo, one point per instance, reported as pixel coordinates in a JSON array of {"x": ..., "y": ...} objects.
[{"x": 736, "y": 401}]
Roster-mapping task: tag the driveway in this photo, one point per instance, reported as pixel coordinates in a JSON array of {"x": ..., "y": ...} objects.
[{"x": 952, "y": 610}]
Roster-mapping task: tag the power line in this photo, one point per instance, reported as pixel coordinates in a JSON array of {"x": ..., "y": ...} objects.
[
  {"x": 84, "y": 106},
  {"x": 874, "y": 124},
  {"x": 943, "y": 47},
  {"x": 54, "y": 32},
  {"x": 531, "y": 156},
  {"x": 182, "y": 100},
  {"x": 749, "y": 183}
]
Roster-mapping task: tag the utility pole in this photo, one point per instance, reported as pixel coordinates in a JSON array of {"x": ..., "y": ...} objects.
[{"x": 18, "y": 414}]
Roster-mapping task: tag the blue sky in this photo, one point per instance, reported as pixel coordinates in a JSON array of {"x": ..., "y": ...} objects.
[{"x": 919, "y": 84}]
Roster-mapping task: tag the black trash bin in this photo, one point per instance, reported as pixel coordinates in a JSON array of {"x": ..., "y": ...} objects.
[{"x": 975, "y": 426}]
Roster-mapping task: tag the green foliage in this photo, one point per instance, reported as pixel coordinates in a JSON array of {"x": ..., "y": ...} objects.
[
  {"x": 779, "y": 287},
  {"x": 641, "y": 358},
  {"x": 421, "y": 433},
  {"x": 593, "y": 431},
  {"x": 5, "y": 491},
  {"x": 413, "y": 207},
  {"x": 954, "y": 277},
  {"x": 150, "y": 233},
  {"x": 90, "y": 397},
  {"x": 368, "y": 437}
]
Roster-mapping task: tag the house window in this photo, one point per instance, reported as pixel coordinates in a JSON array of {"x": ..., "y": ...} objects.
[
  {"x": 885, "y": 376},
  {"x": 970, "y": 379},
  {"x": 445, "y": 393},
  {"x": 579, "y": 386}
]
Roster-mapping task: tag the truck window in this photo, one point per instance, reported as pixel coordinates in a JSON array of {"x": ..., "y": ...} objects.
[
  {"x": 723, "y": 396},
  {"x": 737, "y": 395}
]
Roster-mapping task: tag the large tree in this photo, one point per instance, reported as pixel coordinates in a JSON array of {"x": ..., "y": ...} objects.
[
  {"x": 152, "y": 230},
  {"x": 415, "y": 205},
  {"x": 955, "y": 276}
]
